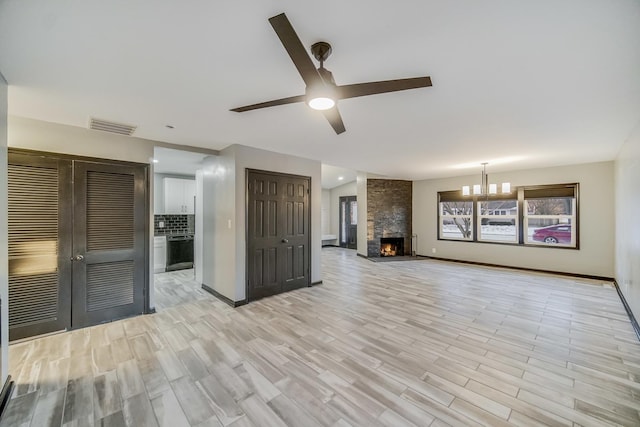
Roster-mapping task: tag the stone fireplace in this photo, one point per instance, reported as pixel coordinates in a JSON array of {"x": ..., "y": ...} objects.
[
  {"x": 388, "y": 217},
  {"x": 392, "y": 246}
]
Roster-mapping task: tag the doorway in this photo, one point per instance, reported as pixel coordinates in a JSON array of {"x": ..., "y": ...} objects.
[
  {"x": 278, "y": 233},
  {"x": 178, "y": 224},
  {"x": 77, "y": 241},
  {"x": 348, "y": 222}
]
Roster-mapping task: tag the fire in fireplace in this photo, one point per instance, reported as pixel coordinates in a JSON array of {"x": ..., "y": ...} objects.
[{"x": 392, "y": 246}]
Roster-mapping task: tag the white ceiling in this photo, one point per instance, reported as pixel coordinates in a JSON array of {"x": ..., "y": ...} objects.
[{"x": 519, "y": 84}]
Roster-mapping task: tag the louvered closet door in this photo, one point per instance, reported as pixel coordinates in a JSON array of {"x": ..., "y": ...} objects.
[
  {"x": 109, "y": 242},
  {"x": 39, "y": 245}
]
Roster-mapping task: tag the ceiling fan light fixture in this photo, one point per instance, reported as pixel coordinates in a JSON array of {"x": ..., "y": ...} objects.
[
  {"x": 320, "y": 97},
  {"x": 321, "y": 103}
]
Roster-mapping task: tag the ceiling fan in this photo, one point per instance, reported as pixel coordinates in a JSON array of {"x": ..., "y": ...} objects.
[{"x": 321, "y": 91}]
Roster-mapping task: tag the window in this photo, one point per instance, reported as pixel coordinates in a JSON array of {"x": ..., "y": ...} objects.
[
  {"x": 498, "y": 221},
  {"x": 550, "y": 216},
  {"x": 543, "y": 215},
  {"x": 456, "y": 217}
]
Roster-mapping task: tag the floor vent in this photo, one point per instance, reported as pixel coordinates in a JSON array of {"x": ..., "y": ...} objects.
[{"x": 106, "y": 126}]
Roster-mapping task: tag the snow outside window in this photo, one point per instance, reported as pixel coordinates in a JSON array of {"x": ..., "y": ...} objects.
[
  {"x": 456, "y": 219},
  {"x": 498, "y": 221}
]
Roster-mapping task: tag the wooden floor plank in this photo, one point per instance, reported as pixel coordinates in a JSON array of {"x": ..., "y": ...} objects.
[
  {"x": 195, "y": 404},
  {"x": 106, "y": 394},
  {"x": 168, "y": 411},
  {"x": 20, "y": 410},
  {"x": 138, "y": 412},
  {"x": 49, "y": 409}
]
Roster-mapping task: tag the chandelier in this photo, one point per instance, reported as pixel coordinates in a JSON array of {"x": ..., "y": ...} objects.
[{"x": 485, "y": 188}]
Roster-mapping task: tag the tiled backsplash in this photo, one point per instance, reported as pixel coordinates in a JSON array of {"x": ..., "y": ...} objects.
[{"x": 174, "y": 224}]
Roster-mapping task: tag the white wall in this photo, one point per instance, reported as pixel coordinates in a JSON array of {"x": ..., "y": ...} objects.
[
  {"x": 198, "y": 246},
  {"x": 225, "y": 203},
  {"x": 361, "y": 192},
  {"x": 4, "y": 266},
  {"x": 325, "y": 215},
  {"x": 627, "y": 193},
  {"x": 219, "y": 240},
  {"x": 595, "y": 256},
  {"x": 348, "y": 189}
]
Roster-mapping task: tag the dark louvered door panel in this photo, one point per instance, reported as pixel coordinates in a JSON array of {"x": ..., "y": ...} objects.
[
  {"x": 109, "y": 285},
  {"x": 39, "y": 274},
  {"x": 109, "y": 211},
  {"x": 109, "y": 246}
]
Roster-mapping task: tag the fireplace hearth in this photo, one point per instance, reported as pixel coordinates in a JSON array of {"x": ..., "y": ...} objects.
[{"x": 391, "y": 246}]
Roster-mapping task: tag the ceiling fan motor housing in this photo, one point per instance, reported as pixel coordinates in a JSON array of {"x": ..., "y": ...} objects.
[{"x": 321, "y": 51}]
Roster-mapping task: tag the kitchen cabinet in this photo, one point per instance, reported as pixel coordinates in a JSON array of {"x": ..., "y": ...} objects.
[
  {"x": 179, "y": 196},
  {"x": 159, "y": 254}
]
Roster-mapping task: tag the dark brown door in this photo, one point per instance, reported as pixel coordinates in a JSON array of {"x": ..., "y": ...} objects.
[
  {"x": 39, "y": 220},
  {"x": 77, "y": 242},
  {"x": 349, "y": 222},
  {"x": 109, "y": 242},
  {"x": 278, "y": 233}
]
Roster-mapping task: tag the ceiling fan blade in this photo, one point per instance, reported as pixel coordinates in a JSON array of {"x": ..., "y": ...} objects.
[
  {"x": 372, "y": 88},
  {"x": 295, "y": 49},
  {"x": 290, "y": 100},
  {"x": 335, "y": 120}
]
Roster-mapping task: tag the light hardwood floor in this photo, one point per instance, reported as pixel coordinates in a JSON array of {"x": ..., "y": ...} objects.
[
  {"x": 423, "y": 343},
  {"x": 176, "y": 287}
]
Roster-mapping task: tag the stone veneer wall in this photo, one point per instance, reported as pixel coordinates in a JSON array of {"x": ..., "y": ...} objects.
[{"x": 389, "y": 204}]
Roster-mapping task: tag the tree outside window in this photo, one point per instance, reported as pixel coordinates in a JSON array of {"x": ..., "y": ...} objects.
[{"x": 456, "y": 219}]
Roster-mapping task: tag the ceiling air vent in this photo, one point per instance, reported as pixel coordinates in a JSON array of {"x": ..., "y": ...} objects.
[{"x": 106, "y": 126}]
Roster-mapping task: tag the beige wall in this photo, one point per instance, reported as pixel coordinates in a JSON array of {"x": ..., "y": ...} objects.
[
  {"x": 595, "y": 256},
  {"x": 4, "y": 267},
  {"x": 627, "y": 192}
]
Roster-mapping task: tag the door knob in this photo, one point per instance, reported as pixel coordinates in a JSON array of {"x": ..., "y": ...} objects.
[
  {"x": 77, "y": 258},
  {"x": 285, "y": 241}
]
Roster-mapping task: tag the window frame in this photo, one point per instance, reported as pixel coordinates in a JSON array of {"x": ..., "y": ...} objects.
[
  {"x": 552, "y": 191},
  {"x": 454, "y": 196},
  {"x": 520, "y": 195}
]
